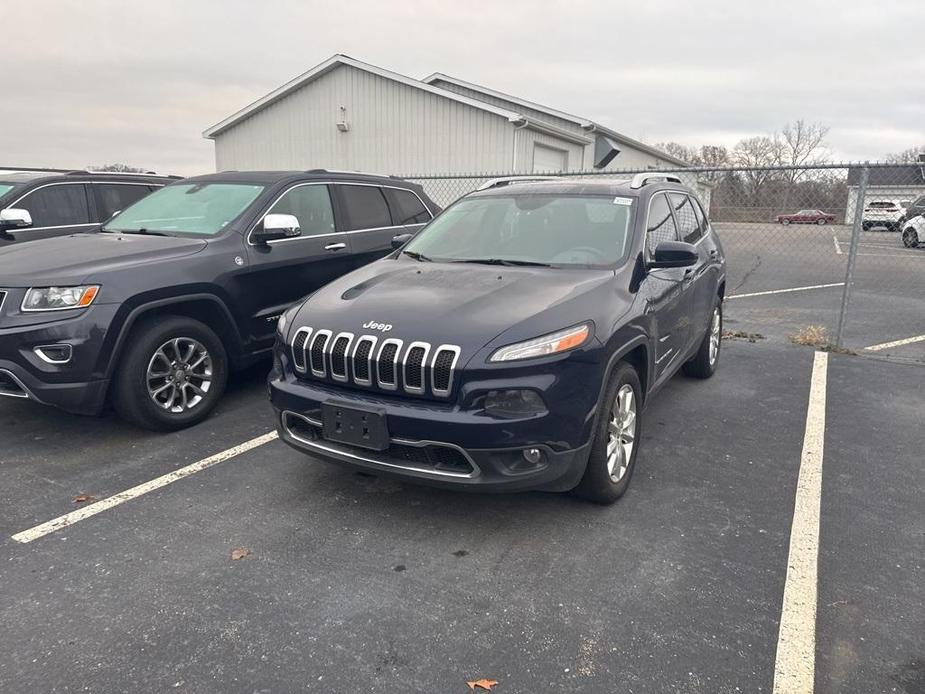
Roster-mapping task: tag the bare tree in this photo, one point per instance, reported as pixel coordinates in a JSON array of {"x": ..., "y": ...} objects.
[
  {"x": 679, "y": 151},
  {"x": 754, "y": 153},
  {"x": 907, "y": 156},
  {"x": 800, "y": 144},
  {"x": 120, "y": 168}
]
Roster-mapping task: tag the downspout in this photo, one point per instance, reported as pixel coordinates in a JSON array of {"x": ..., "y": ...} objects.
[{"x": 519, "y": 124}]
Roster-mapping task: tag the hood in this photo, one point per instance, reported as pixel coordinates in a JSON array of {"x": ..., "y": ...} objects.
[
  {"x": 462, "y": 304},
  {"x": 82, "y": 257}
]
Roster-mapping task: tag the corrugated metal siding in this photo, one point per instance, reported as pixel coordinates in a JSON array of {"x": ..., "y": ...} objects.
[
  {"x": 504, "y": 103},
  {"x": 394, "y": 128}
]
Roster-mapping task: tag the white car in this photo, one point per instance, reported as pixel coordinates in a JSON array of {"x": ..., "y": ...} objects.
[
  {"x": 914, "y": 232},
  {"x": 883, "y": 213}
]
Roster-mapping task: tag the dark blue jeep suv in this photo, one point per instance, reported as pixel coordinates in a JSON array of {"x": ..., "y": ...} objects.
[{"x": 511, "y": 343}]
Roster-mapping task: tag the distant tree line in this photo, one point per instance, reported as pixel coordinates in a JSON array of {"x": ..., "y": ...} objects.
[{"x": 119, "y": 168}]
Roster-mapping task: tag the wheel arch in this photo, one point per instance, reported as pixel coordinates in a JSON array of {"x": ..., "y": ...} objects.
[{"x": 205, "y": 308}]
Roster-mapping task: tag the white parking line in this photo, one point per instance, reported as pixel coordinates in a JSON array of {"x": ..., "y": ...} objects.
[
  {"x": 139, "y": 490},
  {"x": 795, "y": 663},
  {"x": 837, "y": 247},
  {"x": 895, "y": 343},
  {"x": 784, "y": 291}
]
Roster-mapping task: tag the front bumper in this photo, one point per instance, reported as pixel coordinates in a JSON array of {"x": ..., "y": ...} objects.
[
  {"x": 437, "y": 443},
  {"x": 77, "y": 386}
]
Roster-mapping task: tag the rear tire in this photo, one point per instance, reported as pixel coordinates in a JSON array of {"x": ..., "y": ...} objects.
[
  {"x": 820, "y": 222},
  {"x": 616, "y": 439},
  {"x": 910, "y": 238},
  {"x": 703, "y": 364},
  {"x": 172, "y": 374},
  {"x": 785, "y": 221}
]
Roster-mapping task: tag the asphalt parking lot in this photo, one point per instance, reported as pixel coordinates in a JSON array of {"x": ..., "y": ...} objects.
[{"x": 357, "y": 583}]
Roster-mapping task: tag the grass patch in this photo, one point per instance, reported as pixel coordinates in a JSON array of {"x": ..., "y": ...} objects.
[
  {"x": 742, "y": 335},
  {"x": 811, "y": 336}
]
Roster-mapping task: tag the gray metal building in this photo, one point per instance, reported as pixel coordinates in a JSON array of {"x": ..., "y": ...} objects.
[{"x": 346, "y": 114}]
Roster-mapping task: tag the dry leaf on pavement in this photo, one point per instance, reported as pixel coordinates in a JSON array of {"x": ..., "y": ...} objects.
[
  {"x": 82, "y": 498},
  {"x": 482, "y": 684},
  {"x": 240, "y": 553}
]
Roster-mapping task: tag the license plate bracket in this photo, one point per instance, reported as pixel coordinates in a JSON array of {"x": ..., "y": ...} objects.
[{"x": 365, "y": 427}]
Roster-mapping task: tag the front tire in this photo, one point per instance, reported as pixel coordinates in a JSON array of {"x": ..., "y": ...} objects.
[
  {"x": 820, "y": 222},
  {"x": 704, "y": 362},
  {"x": 614, "y": 448},
  {"x": 910, "y": 238},
  {"x": 785, "y": 221},
  {"x": 172, "y": 374}
]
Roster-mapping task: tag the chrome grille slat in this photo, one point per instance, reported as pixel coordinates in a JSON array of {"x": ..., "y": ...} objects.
[
  {"x": 367, "y": 360},
  {"x": 2, "y": 298}
]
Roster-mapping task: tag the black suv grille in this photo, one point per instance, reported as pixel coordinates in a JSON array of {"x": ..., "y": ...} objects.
[{"x": 388, "y": 364}]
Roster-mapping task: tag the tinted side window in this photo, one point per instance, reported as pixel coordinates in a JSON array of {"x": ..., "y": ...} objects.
[
  {"x": 406, "y": 207},
  {"x": 660, "y": 226},
  {"x": 920, "y": 202},
  {"x": 686, "y": 218},
  {"x": 114, "y": 197},
  {"x": 311, "y": 205},
  {"x": 364, "y": 207},
  {"x": 701, "y": 217},
  {"x": 57, "y": 205}
]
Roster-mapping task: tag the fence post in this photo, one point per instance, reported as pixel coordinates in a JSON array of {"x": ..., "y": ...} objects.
[{"x": 852, "y": 254}]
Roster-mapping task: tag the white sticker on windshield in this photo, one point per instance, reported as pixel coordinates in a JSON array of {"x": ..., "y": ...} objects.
[{"x": 622, "y": 201}]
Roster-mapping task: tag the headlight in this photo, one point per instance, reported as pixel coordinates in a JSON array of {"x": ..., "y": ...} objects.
[
  {"x": 560, "y": 341},
  {"x": 59, "y": 298}
]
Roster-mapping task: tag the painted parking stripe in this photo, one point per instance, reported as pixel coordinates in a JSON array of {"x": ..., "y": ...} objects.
[
  {"x": 895, "y": 343},
  {"x": 795, "y": 662},
  {"x": 69, "y": 519},
  {"x": 837, "y": 247},
  {"x": 785, "y": 291}
]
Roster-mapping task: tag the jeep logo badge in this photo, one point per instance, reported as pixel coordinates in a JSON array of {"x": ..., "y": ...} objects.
[{"x": 373, "y": 325}]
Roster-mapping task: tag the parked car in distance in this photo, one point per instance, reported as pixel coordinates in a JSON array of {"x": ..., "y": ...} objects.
[
  {"x": 913, "y": 209},
  {"x": 885, "y": 214},
  {"x": 806, "y": 217},
  {"x": 41, "y": 204},
  {"x": 152, "y": 311},
  {"x": 913, "y": 232},
  {"x": 512, "y": 343}
]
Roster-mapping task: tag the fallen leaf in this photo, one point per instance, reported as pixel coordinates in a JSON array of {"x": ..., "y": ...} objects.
[
  {"x": 240, "y": 553},
  {"x": 82, "y": 498},
  {"x": 482, "y": 684}
]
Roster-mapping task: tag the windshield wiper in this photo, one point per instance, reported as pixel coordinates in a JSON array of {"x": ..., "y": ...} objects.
[
  {"x": 503, "y": 261},
  {"x": 420, "y": 257},
  {"x": 142, "y": 231}
]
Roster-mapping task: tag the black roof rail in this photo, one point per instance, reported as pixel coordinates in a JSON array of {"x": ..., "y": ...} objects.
[
  {"x": 351, "y": 173},
  {"x": 33, "y": 168},
  {"x": 84, "y": 172}
]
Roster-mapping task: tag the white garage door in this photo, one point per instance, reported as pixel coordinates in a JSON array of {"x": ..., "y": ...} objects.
[{"x": 549, "y": 159}]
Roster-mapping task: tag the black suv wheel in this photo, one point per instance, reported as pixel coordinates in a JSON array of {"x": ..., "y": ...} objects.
[
  {"x": 613, "y": 451},
  {"x": 172, "y": 374},
  {"x": 703, "y": 364}
]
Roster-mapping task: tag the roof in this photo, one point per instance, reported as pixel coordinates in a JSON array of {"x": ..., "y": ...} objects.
[
  {"x": 900, "y": 175},
  {"x": 336, "y": 61},
  {"x": 28, "y": 176},
  {"x": 584, "y": 123}
]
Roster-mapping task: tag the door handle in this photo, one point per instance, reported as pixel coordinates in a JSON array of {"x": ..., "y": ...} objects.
[{"x": 335, "y": 246}]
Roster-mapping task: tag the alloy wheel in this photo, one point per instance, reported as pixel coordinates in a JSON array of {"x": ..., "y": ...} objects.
[
  {"x": 179, "y": 374},
  {"x": 621, "y": 431},
  {"x": 715, "y": 335}
]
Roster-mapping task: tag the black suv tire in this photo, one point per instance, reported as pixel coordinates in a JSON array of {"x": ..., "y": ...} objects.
[
  {"x": 702, "y": 365},
  {"x": 145, "y": 347},
  {"x": 598, "y": 484}
]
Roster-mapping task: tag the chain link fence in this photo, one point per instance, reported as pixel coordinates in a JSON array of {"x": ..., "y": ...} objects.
[{"x": 830, "y": 255}]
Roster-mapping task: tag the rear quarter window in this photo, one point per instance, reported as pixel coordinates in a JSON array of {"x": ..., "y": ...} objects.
[
  {"x": 406, "y": 207},
  {"x": 364, "y": 207}
]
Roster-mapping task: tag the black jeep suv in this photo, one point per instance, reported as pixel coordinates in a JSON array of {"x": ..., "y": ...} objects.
[
  {"x": 38, "y": 204},
  {"x": 188, "y": 282},
  {"x": 512, "y": 343}
]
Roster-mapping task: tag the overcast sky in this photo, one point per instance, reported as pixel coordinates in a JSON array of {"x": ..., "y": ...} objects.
[{"x": 99, "y": 81}]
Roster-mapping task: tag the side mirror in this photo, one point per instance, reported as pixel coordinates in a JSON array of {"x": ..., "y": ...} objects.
[
  {"x": 401, "y": 240},
  {"x": 674, "y": 254},
  {"x": 276, "y": 226},
  {"x": 12, "y": 218}
]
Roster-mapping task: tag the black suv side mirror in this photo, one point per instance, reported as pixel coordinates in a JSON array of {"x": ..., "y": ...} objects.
[
  {"x": 401, "y": 240},
  {"x": 274, "y": 227},
  {"x": 674, "y": 254}
]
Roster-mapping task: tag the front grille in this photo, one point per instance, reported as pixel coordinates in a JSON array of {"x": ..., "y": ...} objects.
[
  {"x": 427, "y": 457},
  {"x": 2, "y": 298},
  {"x": 365, "y": 361}
]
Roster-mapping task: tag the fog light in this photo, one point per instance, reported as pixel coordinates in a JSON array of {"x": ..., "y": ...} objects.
[
  {"x": 54, "y": 354},
  {"x": 514, "y": 404},
  {"x": 533, "y": 455}
]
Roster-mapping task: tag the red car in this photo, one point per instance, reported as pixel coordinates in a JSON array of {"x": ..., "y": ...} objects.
[{"x": 806, "y": 217}]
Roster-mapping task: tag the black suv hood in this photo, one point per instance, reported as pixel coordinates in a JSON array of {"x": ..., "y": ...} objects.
[
  {"x": 462, "y": 304},
  {"x": 80, "y": 257}
]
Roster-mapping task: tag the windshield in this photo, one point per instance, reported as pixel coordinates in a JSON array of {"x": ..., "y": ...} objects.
[
  {"x": 188, "y": 208},
  {"x": 558, "y": 230}
]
